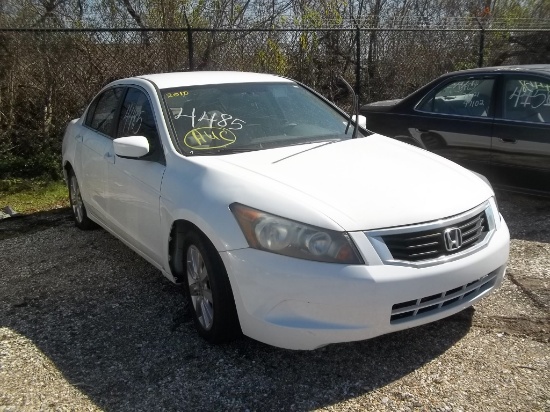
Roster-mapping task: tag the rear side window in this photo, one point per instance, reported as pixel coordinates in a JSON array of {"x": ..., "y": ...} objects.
[
  {"x": 104, "y": 110},
  {"x": 527, "y": 99},
  {"x": 466, "y": 97}
]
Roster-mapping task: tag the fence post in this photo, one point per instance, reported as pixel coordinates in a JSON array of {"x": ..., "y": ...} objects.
[
  {"x": 481, "y": 44},
  {"x": 190, "y": 48},
  {"x": 358, "y": 61},
  {"x": 189, "y": 43}
]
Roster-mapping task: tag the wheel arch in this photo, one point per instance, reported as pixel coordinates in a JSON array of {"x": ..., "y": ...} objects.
[
  {"x": 230, "y": 328},
  {"x": 67, "y": 168},
  {"x": 409, "y": 140},
  {"x": 433, "y": 140},
  {"x": 176, "y": 256}
]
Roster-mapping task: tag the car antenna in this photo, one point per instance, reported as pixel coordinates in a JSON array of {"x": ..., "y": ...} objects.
[{"x": 339, "y": 82}]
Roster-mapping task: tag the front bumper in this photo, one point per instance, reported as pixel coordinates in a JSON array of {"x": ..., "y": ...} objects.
[{"x": 299, "y": 304}]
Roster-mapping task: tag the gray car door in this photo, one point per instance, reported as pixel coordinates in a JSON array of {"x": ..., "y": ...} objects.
[
  {"x": 521, "y": 135},
  {"x": 456, "y": 121}
]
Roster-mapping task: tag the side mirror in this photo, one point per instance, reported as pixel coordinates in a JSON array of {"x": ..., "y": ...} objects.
[
  {"x": 132, "y": 147},
  {"x": 362, "y": 121}
]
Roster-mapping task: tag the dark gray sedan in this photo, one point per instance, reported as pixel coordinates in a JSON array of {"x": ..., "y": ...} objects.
[{"x": 493, "y": 120}]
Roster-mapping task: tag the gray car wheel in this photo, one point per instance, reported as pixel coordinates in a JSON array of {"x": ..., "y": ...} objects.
[
  {"x": 198, "y": 280},
  {"x": 209, "y": 292},
  {"x": 79, "y": 210}
]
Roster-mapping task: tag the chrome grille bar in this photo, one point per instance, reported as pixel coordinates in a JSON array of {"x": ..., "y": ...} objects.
[{"x": 424, "y": 244}]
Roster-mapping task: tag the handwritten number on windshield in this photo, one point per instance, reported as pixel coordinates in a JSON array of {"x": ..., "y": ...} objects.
[{"x": 217, "y": 120}]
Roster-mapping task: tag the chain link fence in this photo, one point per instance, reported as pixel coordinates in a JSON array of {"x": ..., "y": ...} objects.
[{"x": 48, "y": 76}]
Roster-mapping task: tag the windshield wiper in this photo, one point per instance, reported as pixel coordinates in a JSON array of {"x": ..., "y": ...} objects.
[
  {"x": 339, "y": 81},
  {"x": 324, "y": 143},
  {"x": 232, "y": 150},
  {"x": 325, "y": 140},
  {"x": 222, "y": 151}
]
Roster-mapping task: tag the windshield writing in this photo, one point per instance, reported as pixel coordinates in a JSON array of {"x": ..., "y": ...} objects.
[{"x": 249, "y": 116}]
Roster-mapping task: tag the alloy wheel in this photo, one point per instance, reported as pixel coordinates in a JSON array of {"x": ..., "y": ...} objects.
[
  {"x": 76, "y": 200},
  {"x": 199, "y": 287}
]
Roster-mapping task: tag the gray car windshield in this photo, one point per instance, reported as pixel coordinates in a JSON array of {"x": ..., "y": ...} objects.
[{"x": 229, "y": 118}]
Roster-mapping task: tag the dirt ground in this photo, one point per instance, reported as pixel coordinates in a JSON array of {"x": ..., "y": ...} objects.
[{"x": 86, "y": 324}]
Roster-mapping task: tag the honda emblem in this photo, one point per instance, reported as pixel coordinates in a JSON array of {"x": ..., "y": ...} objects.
[{"x": 453, "y": 238}]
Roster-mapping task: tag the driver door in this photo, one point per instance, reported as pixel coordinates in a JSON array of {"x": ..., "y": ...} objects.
[{"x": 134, "y": 184}]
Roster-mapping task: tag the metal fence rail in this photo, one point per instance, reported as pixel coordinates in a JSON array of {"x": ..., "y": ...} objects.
[{"x": 48, "y": 75}]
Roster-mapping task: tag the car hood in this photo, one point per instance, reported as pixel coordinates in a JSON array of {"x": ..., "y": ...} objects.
[
  {"x": 382, "y": 106},
  {"x": 365, "y": 183}
]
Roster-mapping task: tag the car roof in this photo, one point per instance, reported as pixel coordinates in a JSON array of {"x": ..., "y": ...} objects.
[
  {"x": 518, "y": 68},
  {"x": 184, "y": 79}
]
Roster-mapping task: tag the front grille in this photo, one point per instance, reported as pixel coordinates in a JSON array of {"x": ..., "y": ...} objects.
[
  {"x": 429, "y": 305},
  {"x": 430, "y": 244}
]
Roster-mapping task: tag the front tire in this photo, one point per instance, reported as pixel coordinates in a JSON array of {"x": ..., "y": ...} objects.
[
  {"x": 80, "y": 215},
  {"x": 209, "y": 291}
]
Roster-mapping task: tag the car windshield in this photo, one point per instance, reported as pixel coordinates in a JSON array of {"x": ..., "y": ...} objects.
[{"x": 229, "y": 118}]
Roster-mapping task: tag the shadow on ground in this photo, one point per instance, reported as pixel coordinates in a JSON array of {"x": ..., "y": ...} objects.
[{"x": 114, "y": 327}]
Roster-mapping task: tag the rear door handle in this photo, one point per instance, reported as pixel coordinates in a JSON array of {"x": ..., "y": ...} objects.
[
  {"x": 507, "y": 140},
  {"x": 79, "y": 137}
]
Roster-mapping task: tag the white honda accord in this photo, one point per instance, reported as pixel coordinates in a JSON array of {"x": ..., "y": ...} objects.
[{"x": 280, "y": 216}]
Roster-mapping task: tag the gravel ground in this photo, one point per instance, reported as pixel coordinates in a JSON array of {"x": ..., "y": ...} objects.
[{"x": 86, "y": 324}]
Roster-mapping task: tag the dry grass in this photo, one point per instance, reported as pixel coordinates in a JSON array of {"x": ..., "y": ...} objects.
[{"x": 29, "y": 196}]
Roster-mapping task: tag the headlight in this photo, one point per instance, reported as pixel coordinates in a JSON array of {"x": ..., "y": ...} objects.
[
  {"x": 497, "y": 212},
  {"x": 276, "y": 234}
]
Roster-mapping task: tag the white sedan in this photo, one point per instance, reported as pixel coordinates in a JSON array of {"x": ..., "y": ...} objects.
[{"x": 250, "y": 190}]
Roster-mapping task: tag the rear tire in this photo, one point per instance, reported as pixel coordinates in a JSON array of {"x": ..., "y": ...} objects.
[
  {"x": 209, "y": 292},
  {"x": 80, "y": 215}
]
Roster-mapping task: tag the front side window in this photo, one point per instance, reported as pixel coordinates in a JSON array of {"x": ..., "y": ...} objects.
[
  {"x": 104, "y": 110},
  {"x": 527, "y": 99},
  {"x": 466, "y": 97},
  {"x": 250, "y": 116},
  {"x": 137, "y": 118}
]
